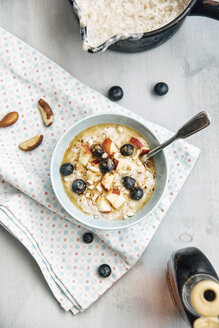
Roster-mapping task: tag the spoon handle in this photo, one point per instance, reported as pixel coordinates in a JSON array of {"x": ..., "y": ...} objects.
[{"x": 197, "y": 123}]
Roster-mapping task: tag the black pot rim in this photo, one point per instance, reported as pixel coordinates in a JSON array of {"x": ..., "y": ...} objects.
[{"x": 115, "y": 38}]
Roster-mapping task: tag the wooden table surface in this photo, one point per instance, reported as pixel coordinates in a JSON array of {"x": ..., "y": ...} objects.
[{"x": 189, "y": 63}]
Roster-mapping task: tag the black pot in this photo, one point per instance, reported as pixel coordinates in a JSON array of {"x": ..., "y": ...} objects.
[{"x": 155, "y": 38}]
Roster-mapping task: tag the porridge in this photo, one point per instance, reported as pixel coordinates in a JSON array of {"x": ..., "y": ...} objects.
[
  {"x": 103, "y": 174},
  {"x": 106, "y": 18}
]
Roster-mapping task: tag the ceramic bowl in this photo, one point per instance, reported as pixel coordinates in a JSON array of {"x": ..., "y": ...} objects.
[{"x": 160, "y": 161}]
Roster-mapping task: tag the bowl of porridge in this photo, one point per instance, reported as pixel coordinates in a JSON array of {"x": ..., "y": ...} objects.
[
  {"x": 135, "y": 25},
  {"x": 98, "y": 175}
]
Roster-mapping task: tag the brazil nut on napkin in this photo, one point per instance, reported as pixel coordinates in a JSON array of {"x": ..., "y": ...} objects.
[{"x": 28, "y": 207}]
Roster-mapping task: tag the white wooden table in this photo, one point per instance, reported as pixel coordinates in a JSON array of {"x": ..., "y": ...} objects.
[{"x": 189, "y": 63}]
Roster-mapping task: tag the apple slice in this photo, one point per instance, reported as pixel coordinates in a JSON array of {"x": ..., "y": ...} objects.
[
  {"x": 103, "y": 205},
  {"x": 116, "y": 191},
  {"x": 87, "y": 149},
  {"x": 144, "y": 151},
  {"x": 107, "y": 181},
  {"x": 116, "y": 200},
  {"x": 109, "y": 146},
  {"x": 85, "y": 155},
  {"x": 116, "y": 162},
  {"x": 136, "y": 142},
  {"x": 91, "y": 176},
  {"x": 95, "y": 162}
]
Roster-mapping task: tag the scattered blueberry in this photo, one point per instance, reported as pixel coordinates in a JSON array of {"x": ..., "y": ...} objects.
[
  {"x": 115, "y": 93},
  {"x": 127, "y": 150},
  {"x": 79, "y": 186},
  {"x": 136, "y": 193},
  {"x": 97, "y": 150},
  {"x": 66, "y": 169},
  {"x": 128, "y": 182},
  {"x": 106, "y": 165},
  {"x": 88, "y": 237},
  {"x": 104, "y": 270},
  {"x": 161, "y": 88}
]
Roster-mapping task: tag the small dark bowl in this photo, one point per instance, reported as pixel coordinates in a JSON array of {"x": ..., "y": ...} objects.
[{"x": 149, "y": 40}]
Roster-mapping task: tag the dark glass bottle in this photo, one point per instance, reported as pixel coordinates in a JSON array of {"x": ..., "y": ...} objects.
[{"x": 187, "y": 268}]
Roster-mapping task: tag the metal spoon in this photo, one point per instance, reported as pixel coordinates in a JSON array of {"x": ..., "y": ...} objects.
[{"x": 197, "y": 123}]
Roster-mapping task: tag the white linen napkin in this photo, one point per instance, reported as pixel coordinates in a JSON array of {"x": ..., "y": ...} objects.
[{"x": 29, "y": 209}]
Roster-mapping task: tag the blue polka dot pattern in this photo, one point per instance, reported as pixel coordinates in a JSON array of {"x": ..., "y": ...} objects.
[{"x": 41, "y": 225}]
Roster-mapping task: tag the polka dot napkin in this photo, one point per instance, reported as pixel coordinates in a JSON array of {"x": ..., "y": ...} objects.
[{"x": 29, "y": 209}]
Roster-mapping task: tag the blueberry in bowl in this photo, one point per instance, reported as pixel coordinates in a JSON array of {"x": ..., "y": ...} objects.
[
  {"x": 97, "y": 150},
  {"x": 66, "y": 169},
  {"x": 79, "y": 186},
  {"x": 106, "y": 165},
  {"x": 127, "y": 150},
  {"x": 136, "y": 193},
  {"x": 128, "y": 182}
]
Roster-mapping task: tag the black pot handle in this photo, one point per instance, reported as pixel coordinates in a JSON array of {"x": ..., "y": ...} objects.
[{"x": 208, "y": 8}]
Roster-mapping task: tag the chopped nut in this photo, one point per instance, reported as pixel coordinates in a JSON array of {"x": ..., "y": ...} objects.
[
  {"x": 99, "y": 187},
  {"x": 97, "y": 178},
  {"x": 46, "y": 112},
  {"x": 90, "y": 142},
  {"x": 32, "y": 143},
  {"x": 69, "y": 178},
  {"x": 136, "y": 154},
  {"x": 93, "y": 168},
  {"x": 95, "y": 197},
  {"x": 120, "y": 129},
  {"x": 104, "y": 155},
  {"x": 9, "y": 119},
  {"x": 131, "y": 213},
  {"x": 91, "y": 187}
]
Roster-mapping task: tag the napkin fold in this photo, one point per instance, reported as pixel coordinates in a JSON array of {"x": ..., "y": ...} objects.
[{"x": 29, "y": 209}]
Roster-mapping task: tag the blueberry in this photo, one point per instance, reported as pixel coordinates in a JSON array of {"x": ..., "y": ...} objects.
[
  {"x": 115, "y": 93},
  {"x": 88, "y": 237},
  {"x": 128, "y": 182},
  {"x": 127, "y": 150},
  {"x": 136, "y": 193},
  {"x": 106, "y": 165},
  {"x": 104, "y": 270},
  {"x": 97, "y": 150},
  {"x": 66, "y": 169},
  {"x": 79, "y": 186},
  {"x": 161, "y": 88}
]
